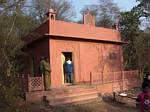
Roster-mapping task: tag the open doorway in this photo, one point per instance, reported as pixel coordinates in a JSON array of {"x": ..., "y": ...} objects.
[{"x": 64, "y": 57}]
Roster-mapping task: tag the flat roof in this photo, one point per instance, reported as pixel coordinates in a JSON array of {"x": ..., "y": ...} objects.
[{"x": 73, "y": 30}]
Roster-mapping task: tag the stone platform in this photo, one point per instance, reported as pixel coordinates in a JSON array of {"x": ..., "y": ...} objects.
[{"x": 64, "y": 95}]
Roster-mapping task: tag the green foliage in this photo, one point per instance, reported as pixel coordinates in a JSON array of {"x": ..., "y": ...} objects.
[
  {"x": 8, "y": 94},
  {"x": 143, "y": 8},
  {"x": 130, "y": 31},
  {"x": 14, "y": 27},
  {"x": 14, "y": 24},
  {"x": 142, "y": 45},
  {"x": 9, "y": 6},
  {"x": 138, "y": 42},
  {"x": 137, "y": 51}
]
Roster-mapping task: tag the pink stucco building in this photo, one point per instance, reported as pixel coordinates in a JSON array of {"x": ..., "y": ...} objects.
[
  {"x": 92, "y": 49},
  {"x": 96, "y": 54}
]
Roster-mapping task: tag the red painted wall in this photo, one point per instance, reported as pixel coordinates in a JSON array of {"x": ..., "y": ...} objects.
[
  {"x": 88, "y": 57},
  {"x": 38, "y": 49},
  {"x": 56, "y": 48},
  {"x": 37, "y": 33},
  {"x": 75, "y": 30},
  {"x": 89, "y": 52}
]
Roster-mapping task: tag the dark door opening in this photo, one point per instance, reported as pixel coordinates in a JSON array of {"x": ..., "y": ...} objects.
[
  {"x": 32, "y": 65},
  {"x": 64, "y": 57}
]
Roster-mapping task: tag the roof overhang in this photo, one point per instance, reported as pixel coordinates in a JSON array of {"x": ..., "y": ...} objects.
[{"x": 84, "y": 39}]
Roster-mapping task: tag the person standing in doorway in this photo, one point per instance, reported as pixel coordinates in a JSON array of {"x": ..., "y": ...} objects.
[
  {"x": 69, "y": 70},
  {"x": 45, "y": 71}
]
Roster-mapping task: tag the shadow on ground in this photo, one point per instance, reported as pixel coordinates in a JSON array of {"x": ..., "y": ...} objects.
[
  {"x": 105, "y": 105},
  {"x": 99, "y": 105}
]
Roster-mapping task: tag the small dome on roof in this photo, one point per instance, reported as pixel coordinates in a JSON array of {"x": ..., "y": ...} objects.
[{"x": 51, "y": 10}]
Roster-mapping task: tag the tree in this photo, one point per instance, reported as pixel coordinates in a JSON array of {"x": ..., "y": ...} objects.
[
  {"x": 7, "y": 5},
  {"x": 14, "y": 24},
  {"x": 137, "y": 51},
  {"x": 108, "y": 11},
  {"x": 63, "y": 8},
  {"x": 142, "y": 45},
  {"x": 138, "y": 40},
  {"x": 143, "y": 8},
  {"x": 105, "y": 11},
  {"x": 130, "y": 32}
]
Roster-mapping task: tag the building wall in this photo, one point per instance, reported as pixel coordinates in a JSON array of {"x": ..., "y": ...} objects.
[
  {"x": 68, "y": 29},
  {"x": 38, "y": 33},
  {"x": 95, "y": 58},
  {"x": 38, "y": 49},
  {"x": 88, "y": 57},
  {"x": 56, "y": 48}
]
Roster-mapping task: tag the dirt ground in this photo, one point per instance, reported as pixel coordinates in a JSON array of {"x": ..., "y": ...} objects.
[
  {"x": 94, "y": 106},
  {"x": 103, "y": 104}
]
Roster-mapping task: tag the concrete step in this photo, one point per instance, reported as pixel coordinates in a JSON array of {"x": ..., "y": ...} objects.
[
  {"x": 63, "y": 95},
  {"x": 72, "y": 89},
  {"x": 73, "y": 99},
  {"x": 70, "y": 93}
]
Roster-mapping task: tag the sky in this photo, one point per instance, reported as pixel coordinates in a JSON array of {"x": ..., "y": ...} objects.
[{"x": 124, "y": 5}]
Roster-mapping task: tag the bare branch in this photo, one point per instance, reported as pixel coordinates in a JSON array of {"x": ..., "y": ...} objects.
[{"x": 11, "y": 6}]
